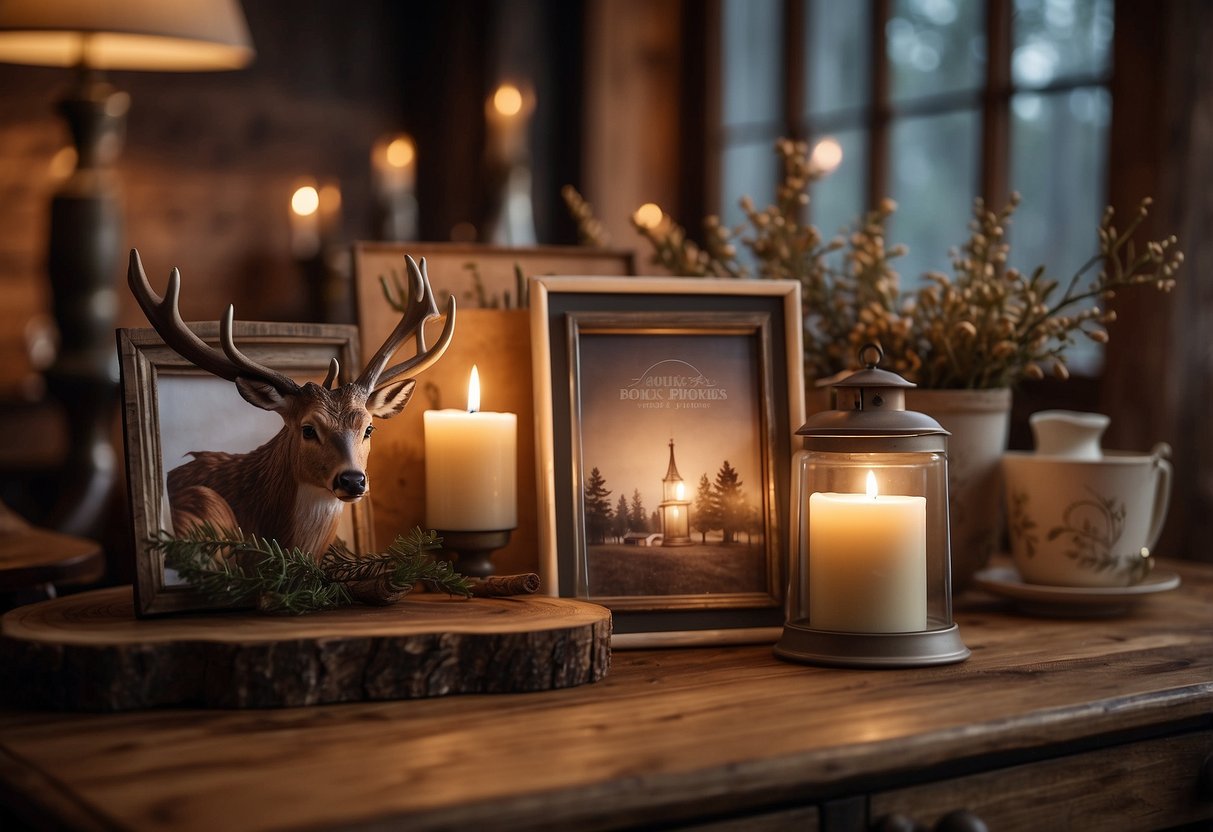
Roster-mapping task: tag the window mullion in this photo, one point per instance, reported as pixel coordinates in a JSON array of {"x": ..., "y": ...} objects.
[
  {"x": 794, "y": 110},
  {"x": 880, "y": 109},
  {"x": 996, "y": 104}
]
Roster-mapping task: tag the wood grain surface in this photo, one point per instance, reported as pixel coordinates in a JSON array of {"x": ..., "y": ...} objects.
[
  {"x": 89, "y": 652},
  {"x": 30, "y": 556},
  {"x": 670, "y": 736}
]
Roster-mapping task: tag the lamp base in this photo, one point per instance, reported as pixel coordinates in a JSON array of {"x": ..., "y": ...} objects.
[
  {"x": 473, "y": 549},
  {"x": 801, "y": 643}
]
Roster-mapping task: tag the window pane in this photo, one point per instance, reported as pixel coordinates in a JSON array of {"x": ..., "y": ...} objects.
[
  {"x": 836, "y": 200},
  {"x": 753, "y": 82},
  {"x": 749, "y": 170},
  {"x": 837, "y": 48},
  {"x": 933, "y": 177},
  {"x": 1058, "y": 164},
  {"x": 935, "y": 47},
  {"x": 1058, "y": 38}
]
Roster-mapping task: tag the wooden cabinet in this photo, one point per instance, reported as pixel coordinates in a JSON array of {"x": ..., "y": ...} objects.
[
  {"x": 1150, "y": 784},
  {"x": 1051, "y": 724}
]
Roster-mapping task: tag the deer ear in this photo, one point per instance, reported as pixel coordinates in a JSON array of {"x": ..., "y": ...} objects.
[
  {"x": 261, "y": 394},
  {"x": 390, "y": 399}
]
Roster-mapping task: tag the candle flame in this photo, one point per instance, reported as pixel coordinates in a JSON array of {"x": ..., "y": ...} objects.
[
  {"x": 474, "y": 390},
  {"x": 648, "y": 215},
  {"x": 400, "y": 152},
  {"x": 305, "y": 201},
  {"x": 508, "y": 100},
  {"x": 872, "y": 485}
]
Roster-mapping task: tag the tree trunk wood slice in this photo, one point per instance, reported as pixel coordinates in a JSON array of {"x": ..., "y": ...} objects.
[{"x": 89, "y": 652}]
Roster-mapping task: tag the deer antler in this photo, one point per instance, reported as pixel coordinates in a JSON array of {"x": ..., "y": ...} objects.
[
  {"x": 165, "y": 317},
  {"x": 420, "y": 308}
]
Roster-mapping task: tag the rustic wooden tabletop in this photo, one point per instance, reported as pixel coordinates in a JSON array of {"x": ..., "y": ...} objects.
[{"x": 669, "y": 735}]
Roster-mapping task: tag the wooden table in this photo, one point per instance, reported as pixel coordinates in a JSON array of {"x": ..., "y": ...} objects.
[
  {"x": 31, "y": 557},
  {"x": 1052, "y": 724}
]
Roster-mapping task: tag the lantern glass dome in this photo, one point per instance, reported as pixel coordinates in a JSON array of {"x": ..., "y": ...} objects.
[{"x": 870, "y": 584}]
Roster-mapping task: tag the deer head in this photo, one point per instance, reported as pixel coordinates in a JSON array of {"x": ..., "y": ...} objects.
[{"x": 326, "y": 435}]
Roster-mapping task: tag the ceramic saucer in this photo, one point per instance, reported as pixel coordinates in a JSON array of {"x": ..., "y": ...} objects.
[{"x": 1071, "y": 601}]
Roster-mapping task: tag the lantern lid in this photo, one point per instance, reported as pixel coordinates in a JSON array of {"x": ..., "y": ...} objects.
[{"x": 871, "y": 403}]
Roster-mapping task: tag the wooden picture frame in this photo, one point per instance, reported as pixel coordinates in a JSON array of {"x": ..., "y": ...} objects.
[
  {"x": 479, "y": 276},
  {"x": 700, "y": 379},
  {"x": 162, "y": 421},
  {"x": 497, "y": 340}
]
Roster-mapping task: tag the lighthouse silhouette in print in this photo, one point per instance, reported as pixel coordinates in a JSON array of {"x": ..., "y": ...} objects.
[{"x": 675, "y": 508}]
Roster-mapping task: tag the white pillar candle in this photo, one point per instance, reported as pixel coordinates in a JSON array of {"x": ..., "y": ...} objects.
[
  {"x": 867, "y": 562},
  {"x": 470, "y": 467}
]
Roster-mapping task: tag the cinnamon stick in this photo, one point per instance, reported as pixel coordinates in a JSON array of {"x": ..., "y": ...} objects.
[{"x": 501, "y": 586}]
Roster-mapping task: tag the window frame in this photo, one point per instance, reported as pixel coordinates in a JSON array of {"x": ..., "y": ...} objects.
[{"x": 992, "y": 100}]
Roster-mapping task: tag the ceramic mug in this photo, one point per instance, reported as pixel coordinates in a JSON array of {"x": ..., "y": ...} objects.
[{"x": 1090, "y": 523}]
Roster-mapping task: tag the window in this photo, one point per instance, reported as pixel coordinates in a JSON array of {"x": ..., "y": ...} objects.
[{"x": 930, "y": 102}]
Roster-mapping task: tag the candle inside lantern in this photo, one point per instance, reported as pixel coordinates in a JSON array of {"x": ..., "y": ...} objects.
[
  {"x": 470, "y": 467},
  {"x": 867, "y": 562}
]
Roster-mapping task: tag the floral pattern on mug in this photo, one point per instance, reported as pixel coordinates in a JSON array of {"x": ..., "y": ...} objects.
[
  {"x": 1023, "y": 527},
  {"x": 1094, "y": 528}
]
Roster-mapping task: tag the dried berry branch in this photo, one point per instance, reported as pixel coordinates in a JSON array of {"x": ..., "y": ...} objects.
[{"x": 986, "y": 325}]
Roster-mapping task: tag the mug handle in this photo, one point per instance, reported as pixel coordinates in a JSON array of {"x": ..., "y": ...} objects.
[{"x": 1162, "y": 494}]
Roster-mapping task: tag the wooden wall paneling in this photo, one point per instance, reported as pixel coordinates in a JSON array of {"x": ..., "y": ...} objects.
[
  {"x": 632, "y": 133},
  {"x": 1158, "y": 378}
]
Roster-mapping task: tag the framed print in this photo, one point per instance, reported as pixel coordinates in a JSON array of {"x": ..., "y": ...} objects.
[
  {"x": 497, "y": 340},
  {"x": 665, "y": 411},
  {"x": 479, "y": 276},
  {"x": 172, "y": 409}
]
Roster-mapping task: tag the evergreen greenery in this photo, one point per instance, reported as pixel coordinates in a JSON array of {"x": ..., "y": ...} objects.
[{"x": 229, "y": 568}]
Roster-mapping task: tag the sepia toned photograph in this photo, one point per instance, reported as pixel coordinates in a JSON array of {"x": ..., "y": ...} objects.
[
  {"x": 665, "y": 409},
  {"x": 672, "y": 506}
]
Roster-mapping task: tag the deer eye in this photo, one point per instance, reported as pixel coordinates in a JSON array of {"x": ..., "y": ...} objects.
[
  {"x": 369, "y": 430},
  {"x": 309, "y": 432}
]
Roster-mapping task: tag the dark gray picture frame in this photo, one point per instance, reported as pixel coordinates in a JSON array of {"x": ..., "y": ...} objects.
[{"x": 746, "y": 337}]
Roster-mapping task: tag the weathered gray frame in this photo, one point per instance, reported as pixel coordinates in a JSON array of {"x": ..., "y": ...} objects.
[{"x": 296, "y": 349}]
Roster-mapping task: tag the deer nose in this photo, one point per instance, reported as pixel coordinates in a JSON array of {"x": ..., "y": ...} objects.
[{"x": 352, "y": 483}]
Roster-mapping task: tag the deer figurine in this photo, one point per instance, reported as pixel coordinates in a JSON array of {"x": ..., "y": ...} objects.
[{"x": 292, "y": 488}]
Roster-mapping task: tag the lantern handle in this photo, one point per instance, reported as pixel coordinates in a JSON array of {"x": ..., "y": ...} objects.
[{"x": 864, "y": 350}]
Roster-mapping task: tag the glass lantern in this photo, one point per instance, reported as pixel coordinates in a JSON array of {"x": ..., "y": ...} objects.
[{"x": 870, "y": 582}]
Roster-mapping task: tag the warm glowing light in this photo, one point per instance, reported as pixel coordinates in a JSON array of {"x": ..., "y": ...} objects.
[
  {"x": 871, "y": 485},
  {"x": 681, "y": 490},
  {"x": 474, "y": 390},
  {"x": 508, "y": 100},
  {"x": 400, "y": 152},
  {"x": 827, "y": 155},
  {"x": 648, "y": 215},
  {"x": 305, "y": 201},
  {"x": 63, "y": 163},
  {"x": 329, "y": 198}
]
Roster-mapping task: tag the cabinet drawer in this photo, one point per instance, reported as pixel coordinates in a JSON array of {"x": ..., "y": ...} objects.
[
  {"x": 801, "y": 819},
  {"x": 1150, "y": 784}
]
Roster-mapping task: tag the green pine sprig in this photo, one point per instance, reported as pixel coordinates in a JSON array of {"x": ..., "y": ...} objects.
[
  {"x": 227, "y": 567},
  {"x": 414, "y": 565},
  {"x": 231, "y": 569}
]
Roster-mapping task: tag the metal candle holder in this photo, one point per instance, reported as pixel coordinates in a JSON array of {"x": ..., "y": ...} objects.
[
  {"x": 871, "y": 577},
  {"x": 472, "y": 550}
]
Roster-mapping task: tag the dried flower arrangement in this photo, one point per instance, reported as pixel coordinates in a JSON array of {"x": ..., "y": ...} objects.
[{"x": 987, "y": 325}]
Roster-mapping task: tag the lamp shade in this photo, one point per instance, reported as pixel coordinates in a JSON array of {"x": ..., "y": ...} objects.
[{"x": 163, "y": 35}]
